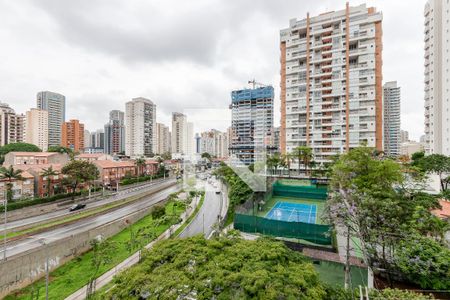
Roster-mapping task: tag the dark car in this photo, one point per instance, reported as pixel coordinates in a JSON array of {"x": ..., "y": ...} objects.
[{"x": 77, "y": 207}]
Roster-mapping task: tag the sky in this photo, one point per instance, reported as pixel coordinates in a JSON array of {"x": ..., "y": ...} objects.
[{"x": 185, "y": 56}]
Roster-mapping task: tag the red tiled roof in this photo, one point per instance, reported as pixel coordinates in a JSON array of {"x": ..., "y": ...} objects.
[
  {"x": 42, "y": 154},
  {"x": 151, "y": 161},
  {"x": 113, "y": 164},
  {"x": 24, "y": 174},
  {"x": 91, "y": 155},
  {"x": 444, "y": 212},
  {"x": 38, "y": 168}
]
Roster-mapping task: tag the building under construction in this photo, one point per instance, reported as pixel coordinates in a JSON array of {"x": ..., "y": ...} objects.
[{"x": 251, "y": 123}]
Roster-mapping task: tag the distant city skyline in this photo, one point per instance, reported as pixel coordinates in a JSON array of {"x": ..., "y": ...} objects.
[{"x": 74, "y": 55}]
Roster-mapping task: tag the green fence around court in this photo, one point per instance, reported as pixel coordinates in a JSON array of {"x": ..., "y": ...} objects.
[
  {"x": 318, "y": 192},
  {"x": 315, "y": 233}
]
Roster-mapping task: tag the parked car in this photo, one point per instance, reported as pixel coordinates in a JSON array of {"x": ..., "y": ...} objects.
[
  {"x": 77, "y": 207},
  {"x": 218, "y": 191}
]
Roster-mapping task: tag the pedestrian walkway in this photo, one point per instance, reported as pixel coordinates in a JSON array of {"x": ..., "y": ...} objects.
[{"x": 132, "y": 260}]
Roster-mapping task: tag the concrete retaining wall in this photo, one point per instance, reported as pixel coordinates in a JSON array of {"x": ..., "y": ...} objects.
[{"x": 20, "y": 271}]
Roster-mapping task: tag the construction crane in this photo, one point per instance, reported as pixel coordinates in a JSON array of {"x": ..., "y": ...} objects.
[{"x": 254, "y": 83}]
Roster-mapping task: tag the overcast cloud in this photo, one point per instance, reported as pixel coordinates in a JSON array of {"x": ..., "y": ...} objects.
[{"x": 182, "y": 55}]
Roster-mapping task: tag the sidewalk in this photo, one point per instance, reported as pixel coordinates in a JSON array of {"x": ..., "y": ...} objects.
[{"x": 132, "y": 260}]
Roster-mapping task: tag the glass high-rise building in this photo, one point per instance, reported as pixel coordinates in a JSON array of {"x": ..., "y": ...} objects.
[{"x": 55, "y": 104}]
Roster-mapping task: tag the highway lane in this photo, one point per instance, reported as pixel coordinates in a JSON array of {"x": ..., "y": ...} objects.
[
  {"x": 122, "y": 194},
  {"x": 35, "y": 241},
  {"x": 207, "y": 215}
]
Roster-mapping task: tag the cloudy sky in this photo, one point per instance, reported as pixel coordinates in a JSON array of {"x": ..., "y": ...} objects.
[{"x": 183, "y": 55}]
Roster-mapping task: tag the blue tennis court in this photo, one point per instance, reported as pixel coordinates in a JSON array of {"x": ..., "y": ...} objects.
[{"x": 293, "y": 212}]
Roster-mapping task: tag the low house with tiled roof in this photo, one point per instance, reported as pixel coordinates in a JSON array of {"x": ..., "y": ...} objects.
[
  {"x": 151, "y": 167},
  {"x": 444, "y": 212},
  {"x": 112, "y": 172},
  {"x": 40, "y": 181},
  {"x": 91, "y": 157},
  {"x": 35, "y": 158},
  {"x": 21, "y": 189}
]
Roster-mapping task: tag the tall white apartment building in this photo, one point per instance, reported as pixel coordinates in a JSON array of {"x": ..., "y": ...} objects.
[
  {"x": 115, "y": 133},
  {"x": 215, "y": 143},
  {"x": 331, "y": 82},
  {"x": 140, "y": 127},
  {"x": 11, "y": 125},
  {"x": 190, "y": 141},
  {"x": 437, "y": 76},
  {"x": 179, "y": 133},
  {"x": 404, "y": 136},
  {"x": 163, "y": 138},
  {"x": 36, "y": 128},
  {"x": 87, "y": 139},
  {"x": 55, "y": 104},
  {"x": 391, "y": 118}
]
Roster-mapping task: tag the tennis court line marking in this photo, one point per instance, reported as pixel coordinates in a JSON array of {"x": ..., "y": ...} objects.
[{"x": 292, "y": 211}]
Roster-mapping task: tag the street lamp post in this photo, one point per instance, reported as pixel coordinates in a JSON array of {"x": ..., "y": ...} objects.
[
  {"x": 42, "y": 241},
  {"x": 5, "y": 203}
]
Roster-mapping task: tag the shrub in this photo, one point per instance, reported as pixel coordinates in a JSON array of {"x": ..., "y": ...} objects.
[{"x": 158, "y": 211}]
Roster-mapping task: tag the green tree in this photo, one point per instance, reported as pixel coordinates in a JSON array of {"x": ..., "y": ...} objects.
[
  {"x": 166, "y": 156},
  {"x": 274, "y": 161},
  {"x": 220, "y": 268},
  {"x": 17, "y": 147},
  {"x": 368, "y": 196},
  {"x": 416, "y": 157},
  {"x": 206, "y": 155},
  {"x": 10, "y": 174},
  {"x": 102, "y": 254},
  {"x": 304, "y": 155},
  {"x": 425, "y": 262},
  {"x": 48, "y": 173},
  {"x": 438, "y": 164},
  {"x": 78, "y": 172},
  {"x": 139, "y": 163},
  {"x": 61, "y": 149}
]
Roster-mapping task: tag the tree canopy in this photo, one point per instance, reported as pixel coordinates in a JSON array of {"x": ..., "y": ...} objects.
[
  {"x": 17, "y": 147},
  {"x": 60, "y": 149},
  {"x": 221, "y": 268},
  {"x": 79, "y": 171},
  {"x": 371, "y": 196}
]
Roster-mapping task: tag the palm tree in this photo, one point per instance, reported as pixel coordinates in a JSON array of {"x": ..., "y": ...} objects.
[
  {"x": 304, "y": 155},
  {"x": 274, "y": 161},
  {"x": 10, "y": 174},
  {"x": 286, "y": 162},
  {"x": 48, "y": 173},
  {"x": 139, "y": 162}
]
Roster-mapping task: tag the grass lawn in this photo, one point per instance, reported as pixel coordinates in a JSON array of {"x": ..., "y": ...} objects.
[
  {"x": 333, "y": 273},
  {"x": 272, "y": 201},
  {"x": 73, "y": 275}
]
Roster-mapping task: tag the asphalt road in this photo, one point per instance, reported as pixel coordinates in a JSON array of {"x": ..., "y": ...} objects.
[
  {"x": 122, "y": 194},
  {"x": 35, "y": 241},
  {"x": 207, "y": 215}
]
